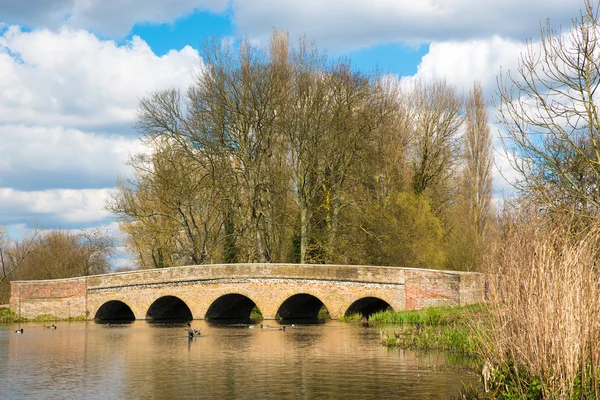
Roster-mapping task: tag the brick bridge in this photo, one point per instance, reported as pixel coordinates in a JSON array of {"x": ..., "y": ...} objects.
[{"x": 233, "y": 290}]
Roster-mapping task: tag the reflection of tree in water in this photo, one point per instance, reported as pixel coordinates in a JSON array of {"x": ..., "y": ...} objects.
[{"x": 332, "y": 360}]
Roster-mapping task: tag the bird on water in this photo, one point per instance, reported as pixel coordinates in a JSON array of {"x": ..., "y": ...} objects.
[
  {"x": 19, "y": 330},
  {"x": 192, "y": 332}
]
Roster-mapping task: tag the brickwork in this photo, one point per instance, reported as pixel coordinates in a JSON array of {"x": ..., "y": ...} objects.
[
  {"x": 63, "y": 298},
  {"x": 267, "y": 285}
]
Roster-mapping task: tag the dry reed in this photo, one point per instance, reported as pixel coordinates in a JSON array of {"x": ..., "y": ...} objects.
[{"x": 545, "y": 320}]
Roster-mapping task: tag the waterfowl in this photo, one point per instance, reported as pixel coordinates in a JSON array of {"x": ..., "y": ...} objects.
[
  {"x": 19, "y": 330},
  {"x": 251, "y": 326},
  {"x": 53, "y": 326},
  {"x": 192, "y": 332}
]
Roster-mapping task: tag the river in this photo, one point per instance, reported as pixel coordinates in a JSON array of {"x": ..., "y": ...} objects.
[{"x": 143, "y": 360}]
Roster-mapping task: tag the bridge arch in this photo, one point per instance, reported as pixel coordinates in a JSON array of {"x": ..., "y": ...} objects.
[
  {"x": 114, "y": 310},
  {"x": 366, "y": 306},
  {"x": 231, "y": 306},
  {"x": 301, "y": 306},
  {"x": 169, "y": 307}
]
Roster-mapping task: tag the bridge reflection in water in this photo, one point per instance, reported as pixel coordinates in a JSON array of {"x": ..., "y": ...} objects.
[
  {"x": 157, "y": 361},
  {"x": 232, "y": 291}
]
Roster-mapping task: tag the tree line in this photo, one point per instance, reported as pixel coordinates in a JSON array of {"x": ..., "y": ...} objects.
[
  {"x": 53, "y": 254},
  {"x": 283, "y": 154}
]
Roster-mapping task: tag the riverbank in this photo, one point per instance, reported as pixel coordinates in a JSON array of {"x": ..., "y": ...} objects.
[
  {"x": 451, "y": 329},
  {"x": 7, "y": 316},
  {"x": 469, "y": 331},
  {"x": 454, "y": 330}
]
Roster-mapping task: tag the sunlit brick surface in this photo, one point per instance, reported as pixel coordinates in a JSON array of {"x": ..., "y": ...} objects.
[{"x": 267, "y": 285}]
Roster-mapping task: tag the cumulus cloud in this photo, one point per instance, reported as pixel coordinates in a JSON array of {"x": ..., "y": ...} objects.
[
  {"x": 345, "y": 24},
  {"x": 56, "y": 208},
  {"x": 108, "y": 17},
  {"x": 38, "y": 157},
  {"x": 67, "y": 106},
  {"x": 463, "y": 62},
  {"x": 72, "y": 78},
  {"x": 351, "y": 24}
]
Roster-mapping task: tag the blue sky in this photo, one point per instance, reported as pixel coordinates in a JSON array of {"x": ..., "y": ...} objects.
[
  {"x": 73, "y": 72},
  {"x": 395, "y": 57}
]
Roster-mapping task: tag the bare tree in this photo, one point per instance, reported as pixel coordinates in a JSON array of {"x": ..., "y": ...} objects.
[
  {"x": 436, "y": 115},
  {"x": 478, "y": 160},
  {"x": 280, "y": 153},
  {"x": 172, "y": 210},
  {"x": 63, "y": 254},
  {"x": 550, "y": 113},
  {"x": 14, "y": 254}
]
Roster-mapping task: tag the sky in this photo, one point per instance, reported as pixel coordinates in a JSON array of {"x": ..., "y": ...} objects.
[{"x": 72, "y": 73}]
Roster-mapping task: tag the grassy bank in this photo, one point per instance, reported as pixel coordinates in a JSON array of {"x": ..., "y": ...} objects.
[
  {"x": 441, "y": 328},
  {"x": 7, "y": 316}
]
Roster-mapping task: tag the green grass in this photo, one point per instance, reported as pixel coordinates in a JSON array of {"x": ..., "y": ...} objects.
[
  {"x": 323, "y": 313},
  {"x": 7, "y": 316},
  {"x": 255, "y": 314},
  {"x": 431, "y": 316},
  {"x": 451, "y": 338},
  {"x": 435, "y": 328},
  {"x": 352, "y": 318},
  {"x": 50, "y": 318}
]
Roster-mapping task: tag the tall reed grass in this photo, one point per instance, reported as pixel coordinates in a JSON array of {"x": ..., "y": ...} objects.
[{"x": 544, "y": 321}]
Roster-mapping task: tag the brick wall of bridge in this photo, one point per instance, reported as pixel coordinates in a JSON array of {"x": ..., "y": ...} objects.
[
  {"x": 267, "y": 294},
  {"x": 63, "y": 298},
  {"x": 268, "y": 285}
]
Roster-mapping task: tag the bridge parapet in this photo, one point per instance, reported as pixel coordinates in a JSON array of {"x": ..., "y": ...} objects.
[
  {"x": 346, "y": 273},
  {"x": 268, "y": 286}
]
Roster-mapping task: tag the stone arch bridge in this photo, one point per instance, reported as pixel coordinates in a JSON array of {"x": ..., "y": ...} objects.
[{"x": 231, "y": 291}]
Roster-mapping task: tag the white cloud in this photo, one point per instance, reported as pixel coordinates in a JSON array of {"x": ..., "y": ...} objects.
[
  {"x": 342, "y": 24},
  {"x": 67, "y": 106},
  {"x": 108, "y": 17},
  {"x": 54, "y": 208},
  {"x": 39, "y": 157},
  {"x": 351, "y": 24},
  {"x": 462, "y": 63},
  {"x": 73, "y": 79}
]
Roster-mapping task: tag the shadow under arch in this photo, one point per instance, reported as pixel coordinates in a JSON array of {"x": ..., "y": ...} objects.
[
  {"x": 301, "y": 306},
  {"x": 368, "y": 306},
  {"x": 231, "y": 306},
  {"x": 169, "y": 308},
  {"x": 114, "y": 310}
]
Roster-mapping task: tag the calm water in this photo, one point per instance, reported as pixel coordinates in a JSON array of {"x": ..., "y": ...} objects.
[{"x": 150, "y": 361}]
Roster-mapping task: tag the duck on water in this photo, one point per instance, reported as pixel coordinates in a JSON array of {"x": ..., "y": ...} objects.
[{"x": 192, "y": 332}]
